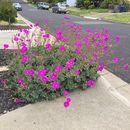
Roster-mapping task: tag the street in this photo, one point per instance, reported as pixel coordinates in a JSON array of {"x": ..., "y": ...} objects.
[{"x": 123, "y": 30}]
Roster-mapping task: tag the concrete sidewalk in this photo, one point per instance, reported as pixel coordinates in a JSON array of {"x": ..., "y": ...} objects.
[
  {"x": 6, "y": 37},
  {"x": 93, "y": 109}
]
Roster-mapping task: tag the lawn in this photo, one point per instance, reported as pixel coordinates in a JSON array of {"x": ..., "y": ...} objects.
[
  {"x": 17, "y": 22},
  {"x": 120, "y": 17},
  {"x": 85, "y": 12}
]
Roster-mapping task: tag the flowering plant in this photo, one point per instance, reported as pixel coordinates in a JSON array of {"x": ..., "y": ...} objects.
[{"x": 46, "y": 67}]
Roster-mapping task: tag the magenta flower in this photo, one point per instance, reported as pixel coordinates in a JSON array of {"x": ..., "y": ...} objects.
[
  {"x": 77, "y": 51},
  {"x": 68, "y": 66},
  {"x": 101, "y": 67},
  {"x": 94, "y": 55},
  {"x": 68, "y": 100},
  {"x": 116, "y": 60},
  {"x": 77, "y": 72},
  {"x": 54, "y": 75},
  {"x": 46, "y": 36},
  {"x": 65, "y": 39},
  {"x": 66, "y": 17},
  {"x": 59, "y": 37},
  {"x": 71, "y": 61},
  {"x": 48, "y": 46},
  {"x": 44, "y": 79},
  {"x": 36, "y": 24},
  {"x": 96, "y": 43},
  {"x": 26, "y": 31},
  {"x": 6, "y": 46},
  {"x": 24, "y": 58},
  {"x": 16, "y": 39},
  {"x": 28, "y": 40},
  {"x": 91, "y": 61},
  {"x": 66, "y": 104},
  {"x": 98, "y": 35},
  {"x": 65, "y": 93},
  {"x": 58, "y": 68},
  {"x": 84, "y": 57},
  {"x": 20, "y": 81},
  {"x": 78, "y": 44},
  {"x": 105, "y": 48},
  {"x": 42, "y": 72},
  {"x": 126, "y": 67},
  {"x": 23, "y": 44},
  {"x": 24, "y": 49},
  {"x": 23, "y": 85},
  {"x": 88, "y": 30},
  {"x": 90, "y": 83},
  {"x": 55, "y": 85},
  {"x": 18, "y": 101},
  {"x": 118, "y": 39},
  {"x": 29, "y": 72},
  {"x": 61, "y": 48},
  {"x": 34, "y": 54}
]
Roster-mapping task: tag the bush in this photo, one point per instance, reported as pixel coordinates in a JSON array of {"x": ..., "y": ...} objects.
[
  {"x": 104, "y": 4},
  {"x": 7, "y": 11},
  {"x": 91, "y": 7},
  {"x": 83, "y": 3},
  {"x": 80, "y": 3},
  {"x": 43, "y": 68},
  {"x": 35, "y": 88}
]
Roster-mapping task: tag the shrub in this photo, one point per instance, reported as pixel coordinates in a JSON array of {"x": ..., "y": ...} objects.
[
  {"x": 91, "y": 7},
  {"x": 7, "y": 11},
  {"x": 43, "y": 68}
]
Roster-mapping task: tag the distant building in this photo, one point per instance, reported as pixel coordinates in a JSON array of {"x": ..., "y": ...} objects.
[{"x": 71, "y": 2}]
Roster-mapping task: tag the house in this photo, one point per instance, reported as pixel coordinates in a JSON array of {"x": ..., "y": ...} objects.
[{"x": 71, "y": 2}]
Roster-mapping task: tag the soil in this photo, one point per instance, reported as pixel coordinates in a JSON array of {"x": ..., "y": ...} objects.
[
  {"x": 5, "y": 56},
  {"x": 13, "y": 27},
  {"x": 7, "y": 101}
]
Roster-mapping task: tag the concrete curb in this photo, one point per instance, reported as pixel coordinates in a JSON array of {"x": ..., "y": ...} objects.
[
  {"x": 92, "y": 18},
  {"x": 101, "y": 19},
  {"x": 113, "y": 21},
  {"x": 117, "y": 87}
]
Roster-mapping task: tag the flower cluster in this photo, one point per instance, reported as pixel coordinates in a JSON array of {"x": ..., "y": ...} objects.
[{"x": 51, "y": 67}]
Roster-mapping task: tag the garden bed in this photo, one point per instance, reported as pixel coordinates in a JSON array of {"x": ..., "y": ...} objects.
[
  {"x": 7, "y": 101},
  {"x": 4, "y": 60},
  {"x": 13, "y": 27}
]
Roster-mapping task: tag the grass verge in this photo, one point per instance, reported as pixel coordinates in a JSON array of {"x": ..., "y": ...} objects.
[
  {"x": 17, "y": 22},
  {"x": 120, "y": 17},
  {"x": 85, "y": 12}
]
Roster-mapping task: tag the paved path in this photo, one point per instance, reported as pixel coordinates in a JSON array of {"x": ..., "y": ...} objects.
[
  {"x": 93, "y": 109},
  {"x": 6, "y": 37}
]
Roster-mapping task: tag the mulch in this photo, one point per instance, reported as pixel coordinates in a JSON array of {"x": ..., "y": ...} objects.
[
  {"x": 5, "y": 56},
  {"x": 13, "y": 27},
  {"x": 7, "y": 101}
]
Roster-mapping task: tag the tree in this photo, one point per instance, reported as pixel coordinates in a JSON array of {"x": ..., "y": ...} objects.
[{"x": 7, "y": 11}]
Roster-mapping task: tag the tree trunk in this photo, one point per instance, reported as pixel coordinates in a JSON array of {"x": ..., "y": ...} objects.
[{"x": 9, "y": 23}]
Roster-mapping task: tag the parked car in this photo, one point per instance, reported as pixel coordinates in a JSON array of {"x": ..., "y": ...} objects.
[
  {"x": 59, "y": 8},
  {"x": 43, "y": 5},
  {"x": 65, "y": 4},
  {"x": 17, "y": 6}
]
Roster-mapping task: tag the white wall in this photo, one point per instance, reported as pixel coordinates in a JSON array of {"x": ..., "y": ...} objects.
[{"x": 71, "y": 2}]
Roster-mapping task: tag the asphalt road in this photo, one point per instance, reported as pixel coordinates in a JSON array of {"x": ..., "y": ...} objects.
[{"x": 123, "y": 30}]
